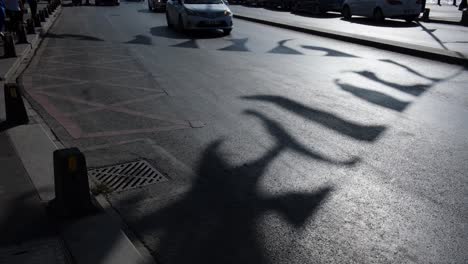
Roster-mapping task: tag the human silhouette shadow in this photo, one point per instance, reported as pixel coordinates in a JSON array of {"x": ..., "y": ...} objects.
[
  {"x": 216, "y": 220},
  {"x": 331, "y": 121}
]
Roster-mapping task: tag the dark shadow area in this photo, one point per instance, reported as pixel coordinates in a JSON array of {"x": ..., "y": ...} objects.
[
  {"x": 189, "y": 44},
  {"x": 387, "y": 23},
  {"x": 330, "y": 52},
  {"x": 4, "y": 125},
  {"x": 26, "y": 218},
  {"x": 165, "y": 32},
  {"x": 415, "y": 89},
  {"x": 323, "y": 15},
  {"x": 237, "y": 45},
  {"x": 140, "y": 39},
  {"x": 72, "y": 36},
  {"x": 331, "y": 121},
  {"x": 215, "y": 221},
  {"x": 374, "y": 97},
  {"x": 409, "y": 69},
  {"x": 144, "y": 11},
  {"x": 282, "y": 49}
]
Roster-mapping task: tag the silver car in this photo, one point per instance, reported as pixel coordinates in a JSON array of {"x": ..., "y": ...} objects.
[{"x": 199, "y": 14}]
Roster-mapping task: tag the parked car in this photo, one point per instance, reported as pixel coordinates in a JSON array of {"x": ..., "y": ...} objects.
[
  {"x": 408, "y": 10},
  {"x": 157, "y": 5},
  {"x": 199, "y": 14},
  {"x": 317, "y": 6}
]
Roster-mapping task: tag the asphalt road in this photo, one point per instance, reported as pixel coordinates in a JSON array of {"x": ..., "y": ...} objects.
[{"x": 275, "y": 146}]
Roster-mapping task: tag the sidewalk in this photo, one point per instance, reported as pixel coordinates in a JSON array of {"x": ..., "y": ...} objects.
[
  {"x": 444, "y": 13},
  {"x": 27, "y": 234},
  {"x": 439, "y": 39}
]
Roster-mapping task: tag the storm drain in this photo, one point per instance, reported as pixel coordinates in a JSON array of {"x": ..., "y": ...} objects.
[{"x": 127, "y": 176}]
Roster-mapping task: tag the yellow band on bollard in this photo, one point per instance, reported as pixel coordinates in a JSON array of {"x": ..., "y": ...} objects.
[
  {"x": 72, "y": 164},
  {"x": 13, "y": 92}
]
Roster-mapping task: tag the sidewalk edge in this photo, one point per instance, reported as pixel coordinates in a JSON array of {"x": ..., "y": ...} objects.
[{"x": 404, "y": 48}]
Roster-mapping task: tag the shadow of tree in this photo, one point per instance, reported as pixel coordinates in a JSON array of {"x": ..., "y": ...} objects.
[
  {"x": 72, "y": 36},
  {"x": 282, "y": 49},
  {"x": 331, "y": 121},
  {"x": 374, "y": 97},
  {"x": 329, "y": 52},
  {"x": 215, "y": 221},
  {"x": 415, "y": 89},
  {"x": 140, "y": 39}
]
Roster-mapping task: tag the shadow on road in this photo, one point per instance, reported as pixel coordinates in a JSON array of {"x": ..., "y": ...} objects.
[
  {"x": 331, "y": 121},
  {"x": 374, "y": 97},
  {"x": 140, "y": 39},
  {"x": 215, "y": 221},
  {"x": 72, "y": 36},
  {"x": 387, "y": 23},
  {"x": 165, "y": 32}
]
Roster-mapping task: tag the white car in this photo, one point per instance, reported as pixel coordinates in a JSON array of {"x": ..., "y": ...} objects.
[
  {"x": 408, "y": 10},
  {"x": 199, "y": 14}
]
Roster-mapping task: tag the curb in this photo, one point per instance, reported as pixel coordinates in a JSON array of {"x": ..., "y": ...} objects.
[
  {"x": 34, "y": 144},
  {"x": 404, "y": 48},
  {"x": 31, "y": 49}
]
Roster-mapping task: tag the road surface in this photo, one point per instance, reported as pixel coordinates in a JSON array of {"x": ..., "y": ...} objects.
[{"x": 275, "y": 146}]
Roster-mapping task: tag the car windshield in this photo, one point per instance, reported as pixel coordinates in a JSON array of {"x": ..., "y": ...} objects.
[{"x": 194, "y": 2}]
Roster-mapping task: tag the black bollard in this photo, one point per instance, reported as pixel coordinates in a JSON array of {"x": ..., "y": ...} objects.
[
  {"x": 464, "y": 20},
  {"x": 72, "y": 195},
  {"x": 37, "y": 20},
  {"x": 21, "y": 34},
  {"x": 14, "y": 107},
  {"x": 9, "y": 46},
  {"x": 42, "y": 16},
  {"x": 425, "y": 16},
  {"x": 45, "y": 12},
  {"x": 30, "y": 26}
]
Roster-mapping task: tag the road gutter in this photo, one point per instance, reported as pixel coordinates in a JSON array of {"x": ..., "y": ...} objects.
[{"x": 441, "y": 55}]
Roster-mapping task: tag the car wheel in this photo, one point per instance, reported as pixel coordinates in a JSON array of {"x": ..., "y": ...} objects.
[
  {"x": 168, "y": 20},
  {"x": 378, "y": 15},
  {"x": 346, "y": 12},
  {"x": 227, "y": 31}
]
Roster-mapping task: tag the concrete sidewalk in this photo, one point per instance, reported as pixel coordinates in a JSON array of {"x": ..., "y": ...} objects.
[
  {"x": 444, "y": 14},
  {"x": 444, "y": 41},
  {"x": 28, "y": 234}
]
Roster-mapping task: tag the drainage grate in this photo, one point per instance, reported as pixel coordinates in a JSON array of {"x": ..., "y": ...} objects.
[{"x": 127, "y": 176}]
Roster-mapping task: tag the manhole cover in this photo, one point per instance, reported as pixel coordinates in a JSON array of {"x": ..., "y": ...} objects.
[{"x": 127, "y": 176}]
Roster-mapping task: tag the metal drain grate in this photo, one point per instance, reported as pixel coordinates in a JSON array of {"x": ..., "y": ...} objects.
[{"x": 127, "y": 175}]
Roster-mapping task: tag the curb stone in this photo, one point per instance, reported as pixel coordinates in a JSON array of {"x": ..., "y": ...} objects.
[{"x": 78, "y": 236}]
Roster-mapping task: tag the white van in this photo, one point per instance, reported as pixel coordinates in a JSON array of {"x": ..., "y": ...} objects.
[{"x": 408, "y": 10}]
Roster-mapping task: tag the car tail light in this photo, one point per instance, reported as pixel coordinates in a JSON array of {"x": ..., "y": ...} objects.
[{"x": 395, "y": 2}]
